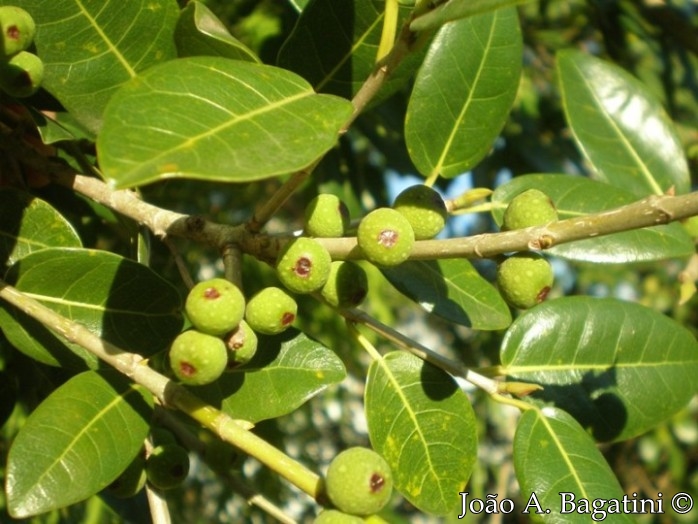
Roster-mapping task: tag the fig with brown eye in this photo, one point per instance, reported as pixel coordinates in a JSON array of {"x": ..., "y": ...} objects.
[
  {"x": 359, "y": 481},
  {"x": 303, "y": 265},
  {"x": 524, "y": 279},
  {"x": 386, "y": 237},
  {"x": 215, "y": 306},
  {"x": 196, "y": 358},
  {"x": 271, "y": 311}
]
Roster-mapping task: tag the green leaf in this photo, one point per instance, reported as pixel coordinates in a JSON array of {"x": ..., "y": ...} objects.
[
  {"x": 76, "y": 442},
  {"x": 287, "y": 370},
  {"x": 463, "y": 93},
  {"x": 334, "y": 45},
  {"x": 620, "y": 127},
  {"x": 619, "y": 368},
  {"x": 200, "y": 33},
  {"x": 90, "y": 47},
  {"x": 422, "y": 423},
  {"x": 450, "y": 10},
  {"x": 554, "y": 455},
  {"x": 453, "y": 290},
  {"x": 213, "y": 118},
  {"x": 576, "y": 196},
  {"x": 28, "y": 224},
  {"x": 121, "y": 301}
]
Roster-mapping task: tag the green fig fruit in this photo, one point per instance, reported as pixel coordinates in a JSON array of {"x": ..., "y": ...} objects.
[
  {"x": 18, "y": 30},
  {"x": 528, "y": 209},
  {"x": 524, "y": 279},
  {"x": 347, "y": 284},
  {"x": 326, "y": 216},
  {"x": 359, "y": 481},
  {"x": 425, "y": 210},
  {"x": 167, "y": 466},
  {"x": 22, "y": 74},
  {"x": 215, "y": 306},
  {"x": 197, "y": 359},
  {"x": 271, "y": 311},
  {"x": 242, "y": 345},
  {"x": 386, "y": 237},
  {"x": 303, "y": 265}
]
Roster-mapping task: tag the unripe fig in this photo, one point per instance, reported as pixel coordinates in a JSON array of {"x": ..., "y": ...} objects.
[
  {"x": 359, "y": 481},
  {"x": 386, "y": 237},
  {"x": 303, "y": 265},
  {"x": 215, "y": 306},
  {"x": 524, "y": 279},
  {"x": 326, "y": 216},
  {"x": 131, "y": 480},
  {"x": 18, "y": 30},
  {"x": 167, "y": 466},
  {"x": 528, "y": 209},
  {"x": 425, "y": 210},
  {"x": 242, "y": 345},
  {"x": 160, "y": 436},
  {"x": 22, "y": 74},
  {"x": 271, "y": 311},
  {"x": 333, "y": 516},
  {"x": 197, "y": 358},
  {"x": 346, "y": 285}
]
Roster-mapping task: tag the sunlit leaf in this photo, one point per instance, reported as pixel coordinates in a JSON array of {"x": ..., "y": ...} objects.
[
  {"x": 287, "y": 370},
  {"x": 123, "y": 302},
  {"x": 463, "y": 93},
  {"x": 620, "y": 127},
  {"x": 618, "y": 367},
  {"x": 214, "y": 118},
  {"x": 576, "y": 196},
  {"x": 422, "y": 423},
  {"x": 76, "y": 442},
  {"x": 453, "y": 290},
  {"x": 91, "y": 47},
  {"x": 557, "y": 463}
]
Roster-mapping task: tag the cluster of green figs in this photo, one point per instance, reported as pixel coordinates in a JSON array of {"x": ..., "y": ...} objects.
[{"x": 21, "y": 70}]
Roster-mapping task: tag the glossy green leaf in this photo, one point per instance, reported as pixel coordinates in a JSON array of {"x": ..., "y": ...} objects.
[
  {"x": 28, "y": 224},
  {"x": 576, "y": 196},
  {"x": 76, "y": 442},
  {"x": 422, "y": 423},
  {"x": 557, "y": 463},
  {"x": 620, "y": 127},
  {"x": 213, "y": 118},
  {"x": 118, "y": 299},
  {"x": 287, "y": 370},
  {"x": 200, "y": 33},
  {"x": 456, "y": 9},
  {"x": 463, "y": 93},
  {"x": 299, "y": 5},
  {"x": 618, "y": 367},
  {"x": 334, "y": 46},
  {"x": 453, "y": 290},
  {"x": 91, "y": 47}
]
